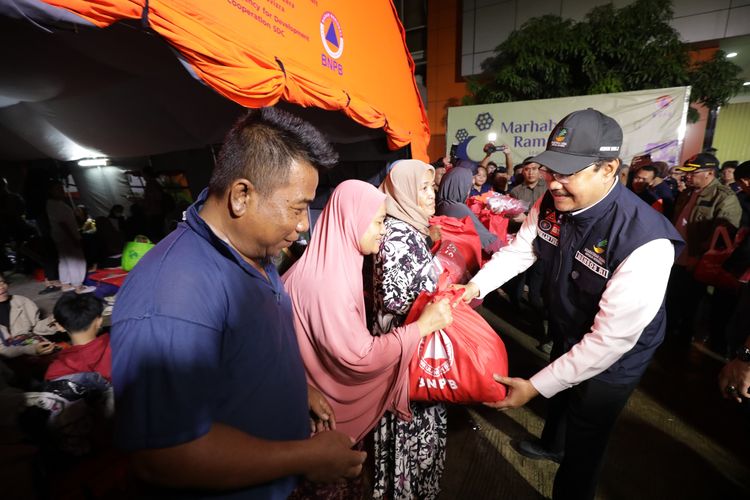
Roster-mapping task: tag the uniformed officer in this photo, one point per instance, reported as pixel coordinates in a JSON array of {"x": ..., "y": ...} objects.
[{"x": 606, "y": 257}]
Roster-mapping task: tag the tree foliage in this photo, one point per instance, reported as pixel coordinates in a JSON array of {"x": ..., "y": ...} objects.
[{"x": 611, "y": 50}]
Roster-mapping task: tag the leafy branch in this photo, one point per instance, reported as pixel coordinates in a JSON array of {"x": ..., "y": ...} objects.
[{"x": 611, "y": 50}]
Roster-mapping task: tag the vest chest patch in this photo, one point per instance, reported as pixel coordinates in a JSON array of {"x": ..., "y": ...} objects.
[
  {"x": 595, "y": 257},
  {"x": 593, "y": 266},
  {"x": 549, "y": 228},
  {"x": 546, "y": 236}
]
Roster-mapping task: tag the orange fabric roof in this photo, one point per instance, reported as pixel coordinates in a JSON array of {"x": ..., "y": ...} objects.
[{"x": 346, "y": 55}]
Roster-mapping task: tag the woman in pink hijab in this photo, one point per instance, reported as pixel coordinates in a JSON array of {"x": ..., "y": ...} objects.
[{"x": 362, "y": 376}]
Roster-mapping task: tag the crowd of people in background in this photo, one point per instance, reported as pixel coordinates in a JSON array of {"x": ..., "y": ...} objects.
[
  {"x": 197, "y": 360},
  {"x": 63, "y": 239},
  {"x": 698, "y": 197}
]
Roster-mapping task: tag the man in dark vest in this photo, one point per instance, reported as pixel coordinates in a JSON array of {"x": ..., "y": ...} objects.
[{"x": 606, "y": 257}]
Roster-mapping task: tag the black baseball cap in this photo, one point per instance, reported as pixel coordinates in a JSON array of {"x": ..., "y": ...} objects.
[
  {"x": 743, "y": 170},
  {"x": 701, "y": 160},
  {"x": 580, "y": 139}
]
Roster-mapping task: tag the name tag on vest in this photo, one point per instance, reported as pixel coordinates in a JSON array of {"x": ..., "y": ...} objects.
[
  {"x": 548, "y": 230},
  {"x": 590, "y": 264}
]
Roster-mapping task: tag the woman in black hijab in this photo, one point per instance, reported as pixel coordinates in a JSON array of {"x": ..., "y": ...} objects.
[{"x": 451, "y": 201}]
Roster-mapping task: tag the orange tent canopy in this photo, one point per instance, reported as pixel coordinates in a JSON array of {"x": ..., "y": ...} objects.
[{"x": 335, "y": 55}]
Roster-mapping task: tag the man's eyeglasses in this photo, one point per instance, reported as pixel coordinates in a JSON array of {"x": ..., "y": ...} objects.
[{"x": 561, "y": 178}]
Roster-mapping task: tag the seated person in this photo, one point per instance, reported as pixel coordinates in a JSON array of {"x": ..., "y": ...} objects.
[
  {"x": 81, "y": 316},
  {"x": 20, "y": 325}
]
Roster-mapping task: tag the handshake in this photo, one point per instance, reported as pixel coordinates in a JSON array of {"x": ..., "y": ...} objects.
[{"x": 490, "y": 148}]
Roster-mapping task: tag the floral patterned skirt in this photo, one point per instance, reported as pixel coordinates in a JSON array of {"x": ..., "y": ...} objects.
[
  {"x": 349, "y": 489},
  {"x": 409, "y": 457}
]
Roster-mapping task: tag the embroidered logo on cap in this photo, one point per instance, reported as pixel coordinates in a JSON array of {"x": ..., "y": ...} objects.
[{"x": 559, "y": 140}]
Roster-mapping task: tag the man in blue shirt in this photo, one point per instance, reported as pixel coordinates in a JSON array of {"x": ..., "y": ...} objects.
[
  {"x": 647, "y": 187},
  {"x": 210, "y": 388}
]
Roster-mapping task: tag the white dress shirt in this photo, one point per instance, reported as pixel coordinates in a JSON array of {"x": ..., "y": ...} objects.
[{"x": 630, "y": 301}]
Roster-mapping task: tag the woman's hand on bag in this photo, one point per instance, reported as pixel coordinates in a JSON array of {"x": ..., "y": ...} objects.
[
  {"x": 471, "y": 291},
  {"x": 520, "y": 392},
  {"x": 436, "y": 233},
  {"x": 434, "y": 317}
]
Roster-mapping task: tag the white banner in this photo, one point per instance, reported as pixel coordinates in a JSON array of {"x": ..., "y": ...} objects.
[{"x": 652, "y": 121}]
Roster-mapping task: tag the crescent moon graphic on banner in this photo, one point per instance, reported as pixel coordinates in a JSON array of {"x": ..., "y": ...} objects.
[{"x": 461, "y": 150}]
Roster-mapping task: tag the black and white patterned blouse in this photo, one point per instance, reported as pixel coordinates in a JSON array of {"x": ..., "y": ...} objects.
[{"x": 403, "y": 268}]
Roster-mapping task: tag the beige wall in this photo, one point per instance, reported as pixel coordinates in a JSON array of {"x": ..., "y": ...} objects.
[{"x": 445, "y": 87}]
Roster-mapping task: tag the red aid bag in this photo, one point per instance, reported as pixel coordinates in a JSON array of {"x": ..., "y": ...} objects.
[
  {"x": 464, "y": 235},
  {"x": 709, "y": 269},
  {"x": 455, "y": 365},
  {"x": 452, "y": 261},
  {"x": 497, "y": 224}
]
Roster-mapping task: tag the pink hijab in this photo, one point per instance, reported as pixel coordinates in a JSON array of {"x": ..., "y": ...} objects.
[{"x": 362, "y": 376}]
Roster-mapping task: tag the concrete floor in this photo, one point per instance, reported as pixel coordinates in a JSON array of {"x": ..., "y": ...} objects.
[{"x": 676, "y": 439}]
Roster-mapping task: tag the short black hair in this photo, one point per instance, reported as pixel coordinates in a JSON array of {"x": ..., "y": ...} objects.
[
  {"x": 439, "y": 163},
  {"x": 650, "y": 168},
  {"x": 115, "y": 208},
  {"x": 598, "y": 164},
  {"x": 743, "y": 170},
  {"x": 262, "y": 146},
  {"x": 75, "y": 312}
]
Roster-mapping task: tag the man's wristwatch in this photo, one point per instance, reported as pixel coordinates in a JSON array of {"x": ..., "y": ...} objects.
[{"x": 743, "y": 354}]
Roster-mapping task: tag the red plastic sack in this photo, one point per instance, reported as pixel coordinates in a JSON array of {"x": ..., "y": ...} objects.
[
  {"x": 506, "y": 205},
  {"x": 452, "y": 261},
  {"x": 478, "y": 202},
  {"x": 497, "y": 224},
  {"x": 709, "y": 268},
  {"x": 111, "y": 275},
  {"x": 658, "y": 205},
  {"x": 455, "y": 365},
  {"x": 464, "y": 235}
]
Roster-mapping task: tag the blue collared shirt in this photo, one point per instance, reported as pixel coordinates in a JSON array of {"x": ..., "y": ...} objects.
[{"x": 200, "y": 336}]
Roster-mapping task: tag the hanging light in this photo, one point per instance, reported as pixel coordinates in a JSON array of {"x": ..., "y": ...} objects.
[{"x": 93, "y": 162}]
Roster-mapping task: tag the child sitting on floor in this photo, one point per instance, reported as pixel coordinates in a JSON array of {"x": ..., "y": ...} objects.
[{"x": 81, "y": 316}]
